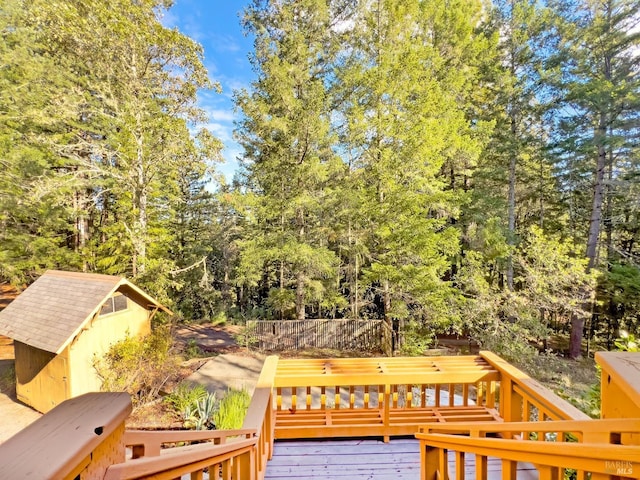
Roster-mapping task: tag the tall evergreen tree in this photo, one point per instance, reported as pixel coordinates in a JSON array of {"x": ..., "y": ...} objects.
[
  {"x": 405, "y": 72},
  {"x": 599, "y": 87},
  {"x": 117, "y": 102},
  {"x": 288, "y": 156}
]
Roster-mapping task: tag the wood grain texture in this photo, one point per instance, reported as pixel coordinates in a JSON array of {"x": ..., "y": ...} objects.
[
  {"x": 56, "y": 444},
  {"x": 365, "y": 459}
]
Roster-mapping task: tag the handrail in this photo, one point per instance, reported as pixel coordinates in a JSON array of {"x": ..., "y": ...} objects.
[
  {"x": 62, "y": 443},
  {"x": 519, "y": 393},
  {"x": 582, "y": 430},
  {"x": 237, "y": 454},
  {"x": 145, "y": 443},
  {"x": 598, "y": 458},
  {"x": 235, "y": 461},
  {"x": 260, "y": 415},
  {"x": 623, "y": 368}
]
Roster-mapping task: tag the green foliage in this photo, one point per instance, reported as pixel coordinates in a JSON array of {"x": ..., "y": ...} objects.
[
  {"x": 386, "y": 175},
  {"x": 140, "y": 367},
  {"x": 555, "y": 278},
  {"x": 94, "y": 153},
  {"x": 247, "y": 336},
  {"x": 627, "y": 342},
  {"x": 185, "y": 396},
  {"x": 417, "y": 339},
  {"x": 192, "y": 350},
  {"x": 232, "y": 409},
  {"x": 204, "y": 412}
]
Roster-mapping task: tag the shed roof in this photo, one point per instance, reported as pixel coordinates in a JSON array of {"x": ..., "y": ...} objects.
[{"x": 52, "y": 311}]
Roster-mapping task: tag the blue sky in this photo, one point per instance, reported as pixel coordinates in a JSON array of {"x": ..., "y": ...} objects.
[{"x": 215, "y": 24}]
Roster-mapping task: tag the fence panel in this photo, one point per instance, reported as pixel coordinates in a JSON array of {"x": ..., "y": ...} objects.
[{"x": 341, "y": 334}]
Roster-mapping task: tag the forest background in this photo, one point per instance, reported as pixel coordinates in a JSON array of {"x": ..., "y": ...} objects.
[{"x": 448, "y": 167}]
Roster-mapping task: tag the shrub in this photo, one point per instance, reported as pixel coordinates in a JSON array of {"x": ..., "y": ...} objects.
[
  {"x": 186, "y": 395},
  {"x": 140, "y": 367}
]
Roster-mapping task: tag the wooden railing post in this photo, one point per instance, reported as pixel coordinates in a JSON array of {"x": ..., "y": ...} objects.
[
  {"x": 386, "y": 413},
  {"x": 261, "y": 416},
  {"x": 429, "y": 457},
  {"x": 510, "y": 402}
]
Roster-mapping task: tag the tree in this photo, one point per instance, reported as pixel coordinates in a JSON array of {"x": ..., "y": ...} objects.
[
  {"x": 288, "y": 156},
  {"x": 402, "y": 123},
  {"x": 35, "y": 187},
  {"x": 117, "y": 108},
  {"x": 598, "y": 85},
  {"x": 517, "y": 143}
]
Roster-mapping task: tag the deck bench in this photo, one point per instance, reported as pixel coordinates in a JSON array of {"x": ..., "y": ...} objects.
[{"x": 380, "y": 397}]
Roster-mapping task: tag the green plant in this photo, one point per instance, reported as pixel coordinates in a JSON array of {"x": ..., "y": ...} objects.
[
  {"x": 192, "y": 350},
  {"x": 140, "y": 367},
  {"x": 205, "y": 411},
  {"x": 219, "y": 319},
  {"x": 232, "y": 410},
  {"x": 627, "y": 342},
  {"x": 248, "y": 335},
  {"x": 186, "y": 395},
  {"x": 417, "y": 338},
  {"x": 199, "y": 415}
]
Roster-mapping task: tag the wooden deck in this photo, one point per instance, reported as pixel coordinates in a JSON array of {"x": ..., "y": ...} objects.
[
  {"x": 368, "y": 459},
  {"x": 340, "y": 415}
]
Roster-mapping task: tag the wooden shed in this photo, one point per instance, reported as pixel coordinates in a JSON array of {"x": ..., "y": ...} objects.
[{"x": 61, "y": 323}]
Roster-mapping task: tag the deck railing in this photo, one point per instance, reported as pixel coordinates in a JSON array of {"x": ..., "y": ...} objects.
[
  {"x": 594, "y": 447},
  {"x": 460, "y": 403},
  {"x": 524, "y": 399},
  {"x": 317, "y": 398},
  {"x": 79, "y": 438},
  {"x": 225, "y": 454}
]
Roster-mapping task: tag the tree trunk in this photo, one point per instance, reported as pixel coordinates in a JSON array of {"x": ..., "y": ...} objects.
[
  {"x": 300, "y": 304},
  {"x": 577, "y": 322},
  {"x": 140, "y": 200},
  {"x": 608, "y": 217},
  {"x": 388, "y": 321},
  {"x": 512, "y": 205},
  {"x": 577, "y": 329},
  {"x": 300, "y": 274},
  {"x": 598, "y": 195}
]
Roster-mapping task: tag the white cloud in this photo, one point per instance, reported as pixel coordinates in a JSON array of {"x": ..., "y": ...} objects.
[
  {"x": 221, "y": 131},
  {"x": 220, "y": 115},
  {"x": 224, "y": 42}
]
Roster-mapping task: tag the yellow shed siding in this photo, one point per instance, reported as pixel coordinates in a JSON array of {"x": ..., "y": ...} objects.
[
  {"x": 96, "y": 338},
  {"x": 42, "y": 378}
]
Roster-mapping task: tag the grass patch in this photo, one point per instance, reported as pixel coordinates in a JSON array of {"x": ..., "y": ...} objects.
[{"x": 232, "y": 409}]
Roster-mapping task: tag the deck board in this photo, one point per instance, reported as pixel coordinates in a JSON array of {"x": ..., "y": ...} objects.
[{"x": 369, "y": 459}]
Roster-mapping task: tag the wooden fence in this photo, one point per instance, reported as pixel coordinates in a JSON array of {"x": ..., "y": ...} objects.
[{"x": 342, "y": 334}]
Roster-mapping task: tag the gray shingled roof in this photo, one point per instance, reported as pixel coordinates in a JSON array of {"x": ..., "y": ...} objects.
[{"x": 49, "y": 313}]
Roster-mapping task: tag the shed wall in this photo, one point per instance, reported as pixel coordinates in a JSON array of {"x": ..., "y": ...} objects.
[
  {"x": 96, "y": 338},
  {"x": 42, "y": 378}
]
